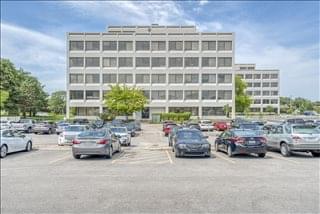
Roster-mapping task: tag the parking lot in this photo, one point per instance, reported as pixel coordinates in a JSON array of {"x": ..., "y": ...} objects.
[{"x": 147, "y": 178}]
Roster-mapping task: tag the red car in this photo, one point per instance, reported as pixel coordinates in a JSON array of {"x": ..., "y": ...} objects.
[
  {"x": 220, "y": 126},
  {"x": 168, "y": 128}
]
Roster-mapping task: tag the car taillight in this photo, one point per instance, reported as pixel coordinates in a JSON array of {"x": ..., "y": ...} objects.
[
  {"x": 74, "y": 141},
  {"x": 263, "y": 140},
  {"x": 104, "y": 141},
  {"x": 238, "y": 140}
]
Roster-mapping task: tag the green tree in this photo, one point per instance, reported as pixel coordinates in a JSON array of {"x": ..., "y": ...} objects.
[
  {"x": 124, "y": 100},
  {"x": 269, "y": 109},
  {"x": 243, "y": 101},
  {"x": 4, "y": 95},
  {"x": 57, "y": 102},
  {"x": 227, "y": 110}
]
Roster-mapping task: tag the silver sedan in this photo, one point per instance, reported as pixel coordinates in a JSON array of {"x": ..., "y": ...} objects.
[{"x": 95, "y": 142}]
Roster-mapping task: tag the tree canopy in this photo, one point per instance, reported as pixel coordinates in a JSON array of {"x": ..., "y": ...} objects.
[
  {"x": 57, "y": 102},
  {"x": 243, "y": 101},
  {"x": 124, "y": 100}
]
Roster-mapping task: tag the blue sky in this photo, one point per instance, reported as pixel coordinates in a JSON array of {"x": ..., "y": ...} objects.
[{"x": 283, "y": 35}]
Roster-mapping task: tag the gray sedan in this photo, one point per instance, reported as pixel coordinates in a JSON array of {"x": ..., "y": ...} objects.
[
  {"x": 294, "y": 137},
  {"x": 95, "y": 142}
]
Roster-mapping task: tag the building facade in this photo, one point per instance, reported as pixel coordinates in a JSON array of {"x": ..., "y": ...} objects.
[
  {"x": 177, "y": 67},
  {"x": 263, "y": 87}
]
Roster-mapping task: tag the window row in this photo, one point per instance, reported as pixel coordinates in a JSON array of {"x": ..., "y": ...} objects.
[
  {"x": 265, "y": 101},
  {"x": 264, "y": 93},
  {"x": 264, "y": 84},
  {"x": 150, "y": 45},
  {"x": 151, "y": 78},
  {"x": 147, "y": 62},
  {"x": 160, "y": 94},
  {"x": 258, "y": 76}
]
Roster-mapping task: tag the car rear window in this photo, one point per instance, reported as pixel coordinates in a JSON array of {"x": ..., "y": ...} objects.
[
  {"x": 249, "y": 126},
  {"x": 119, "y": 130},
  {"x": 246, "y": 133},
  {"x": 190, "y": 135},
  {"x": 305, "y": 130},
  {"x": 92, "y": 134},
  {"x": 75, "y": 128}
]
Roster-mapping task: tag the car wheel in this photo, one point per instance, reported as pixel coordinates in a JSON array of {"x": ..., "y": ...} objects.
[
  {"x": 76, "y": 156},
  {"x": 262, "y": 155},
  {"x": 315, "y": 154},
  {"x": 176, "y": 154},
  {"x": 119, "y": 148},
  {"x": 50, "y": 131},
  {"x": 229, "y": 151},
  {"x": 4, "y": 151},
  {"x": 29, "y": 130},
  {"x": 284, "y": 149},
  {"x": 28, "y": 146},
  {"x": 216, "y": 148},
  {"x": 110, "y": 153}
]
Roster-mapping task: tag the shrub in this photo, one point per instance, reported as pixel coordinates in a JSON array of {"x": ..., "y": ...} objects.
[{"x": 177, "y": 117}]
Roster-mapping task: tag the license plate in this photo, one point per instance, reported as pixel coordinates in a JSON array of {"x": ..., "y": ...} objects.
[{"x": 251, "y": 142}]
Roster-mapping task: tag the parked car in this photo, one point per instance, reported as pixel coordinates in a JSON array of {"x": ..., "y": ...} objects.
[
  {"x": 188, "y": 142},
  {"x": 165, "y": 123},
  {"x": 13, "y": 141},
  {"x": 122, "y": 134},
  {"x": 237, "y": 121},
  {"x": 81, "y": 121},
  {"x": 240, "y": 141},
  {"x": 294, "y": 138},
  {"x": 69, "y": 133},
  {"x": 24, "y": 125},
  {"x": 193, "y": 125},
  {"x": 4, "y": 124},
  {"x": 61, "y": 127},
  {"x": 168, "y": 128},
  {"x": 295, "y": 121},
  {"x": 44, "y": 127},
  {"x": 220, "y": 126},
  {"x": 206, "y": 125},
  {"x": 131, "y": 129},
  {"x": 95, "y": 142},
  {"x": 176, "y": 129}
]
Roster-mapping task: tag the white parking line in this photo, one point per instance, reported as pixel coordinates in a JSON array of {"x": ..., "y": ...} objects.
[
  {"x": 169, "y": 157},
  {"x": 223, "y": 158},
  {"x": 282, "y": 158},
  {"x": 60, "y": 159}
]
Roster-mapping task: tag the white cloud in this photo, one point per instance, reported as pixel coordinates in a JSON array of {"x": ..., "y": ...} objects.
[
  {"x": 203, "y": 2},
  {"x": 36, "y": 52}
]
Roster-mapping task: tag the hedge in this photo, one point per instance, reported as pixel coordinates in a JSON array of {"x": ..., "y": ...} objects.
[{"x": 178, "y": 117}]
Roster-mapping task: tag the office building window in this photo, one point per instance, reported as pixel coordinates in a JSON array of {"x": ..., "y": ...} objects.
[
  {"x": 224, "y": 78},
  {"x": 175, "y": 78},
  {"x": 109, "y": 45},
  {"x": 92, "y": 95},
  {"x": 92, "y": 78},
  {"x": 158, "y": 61},
  {"x": 175, "y": 62},
  {"x": 76, "y": 95},
  {"x": 266, "y": 84},
  {"x": 225, "y": 62},
  {"x": 274, "y": 84},
  {"x": 125, "y": 62},
  {"x": 76, "y": 62},
  {"x": 158, "y": 78},
  {"x": 274, "y": 101},
  {"x": 191, "y": 61},
  {"x": 125, "y": 46},
  {"x": 249, "y": 93},
  {"x": 248, "y": 76},
  {"x": 175, "y": 45},
  {"x": 176, "y": 95},
  {"x": 224, "y": 95},
  {"x": 158, "y": 45},
  {"x": 212, "y": 111},
  {"x": 208, "y": 95},
  {"x": 265, "y": 93},
  {"x": 76, "y": 78},
  {"x": 208, "y": 45},
  {"x": 224, "y": 45},
  {"x": 92, "y": 45},
  {"x": 76, "y": 45},
  {"x": 92, "y": 61},
  {"x": 265, "y": 76},
  {"x": 158, "y": 95},
  {"x": 208, "y": 62},
  {"x": 257, "y": 93},
  {"x": 191, "y": 45},
  {"x": 87, "y": 111},
  {"x": 209, "y": 78},
  {"x": 256, "y": 101},
  {"x": 191, "y": 78},
  {"x": 257, "y": 76},
  {"x": 274, "y": 76},
  {"x": 125, "y": 78},
  {"x": 142, "y": 61},
  {"x": 142, "y": 45},
  {"x": 146, "y": 94},
  {"x": 274, "y": 93},
  {"x": 191, "y": 95},
  {"x": 143, "y": 78},
  {"x": 266, "y": 101},
  {"x": 249, "y": 84},
  {"x": 109, "y": 62},
  {"x": 109, "y": 78},
  {"x": 257, "y": 84}
]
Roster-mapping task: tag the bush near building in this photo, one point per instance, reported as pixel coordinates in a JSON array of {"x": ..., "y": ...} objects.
[{"x": 178, "y": 117}]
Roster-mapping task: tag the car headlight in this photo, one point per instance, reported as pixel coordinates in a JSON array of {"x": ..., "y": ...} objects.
[
  {"x": 205, "y": 145},
  {"x": 182, "y": 146}
]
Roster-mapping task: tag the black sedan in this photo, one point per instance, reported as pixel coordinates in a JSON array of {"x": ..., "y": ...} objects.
[
  {"x": 241, "y": 141},
  {"x": 188, "y": 142}
]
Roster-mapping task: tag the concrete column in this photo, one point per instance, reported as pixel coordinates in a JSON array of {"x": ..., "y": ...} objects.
[
  {"x": 200, "y": 112},
  {"x": 233, "y": 110}
]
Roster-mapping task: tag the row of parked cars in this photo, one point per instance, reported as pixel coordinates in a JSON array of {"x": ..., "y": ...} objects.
[{"x": 246, "y": 137}]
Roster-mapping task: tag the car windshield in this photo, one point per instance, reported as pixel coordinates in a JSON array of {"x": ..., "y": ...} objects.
[
  {"x": 305, "y": 130},
  {"x": 245, "y": 133},
  {"x": 63, "y": 124},
  {"x": 189, "y": 135},
  {"x": 24, "y": 121},
  {"x": 119, "y": 130},
  {"x": 206, "y": 122},
  {"x": 248, "y": 126},
  {"x": 75, "y": 128},
  {"x": 92, "y": 134}
]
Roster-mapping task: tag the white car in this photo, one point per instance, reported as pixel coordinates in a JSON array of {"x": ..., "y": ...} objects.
[
  {"x": 69, "y": 133},
  {"x": 13, "y": 141},
  {"x": 206, "y": 125},
  {"x": 4, "y": 124}
]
